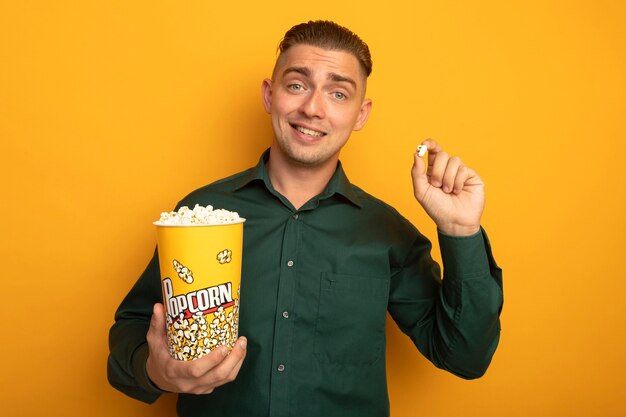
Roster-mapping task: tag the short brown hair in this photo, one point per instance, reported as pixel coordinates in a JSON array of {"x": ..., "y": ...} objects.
[{"x": 328, "y": 35}]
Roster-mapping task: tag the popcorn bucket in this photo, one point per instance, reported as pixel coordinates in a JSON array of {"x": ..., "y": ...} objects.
[{"x": 200, "y": 276}]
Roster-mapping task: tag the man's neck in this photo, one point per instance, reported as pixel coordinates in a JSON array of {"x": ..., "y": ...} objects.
[{"x": 298, "y": 183}]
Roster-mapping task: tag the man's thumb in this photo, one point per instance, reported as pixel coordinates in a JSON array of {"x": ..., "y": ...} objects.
[
  {"x": 157, "y": 324},
  {"x": 420, "y": 179}
]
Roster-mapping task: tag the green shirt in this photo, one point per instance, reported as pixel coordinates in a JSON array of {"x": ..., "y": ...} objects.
[{"x": 317, "y": 283}]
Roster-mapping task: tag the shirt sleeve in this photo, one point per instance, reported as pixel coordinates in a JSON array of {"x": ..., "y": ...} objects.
[
  {"x": 126, "y": 366},
  {"x": 454, "y": 322}
]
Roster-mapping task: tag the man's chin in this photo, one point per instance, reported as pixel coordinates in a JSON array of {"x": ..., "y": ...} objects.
[
  {"x": 305, "y": 155},
  {"x": 308, "y": 159}
]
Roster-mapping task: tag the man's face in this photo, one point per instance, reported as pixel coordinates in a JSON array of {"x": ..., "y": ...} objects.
[{"x": 316, "y": 99}]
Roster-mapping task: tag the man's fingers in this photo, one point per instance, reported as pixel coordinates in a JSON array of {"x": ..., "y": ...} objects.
[
  {"x": 215, "y": 369},
  {"x": 239, "y": 352},
  {"x": 200, "y": 368},
  {"x": 443, "y": 171},
  {"x": 462, "y": 175},
  {"x": 437, "y": 164},
  {"x": 433, "y": 149},
  {"x": 452, "y": 171},
  {"x": 219, "y": 358},
  {"x": 432, "y": 145}
]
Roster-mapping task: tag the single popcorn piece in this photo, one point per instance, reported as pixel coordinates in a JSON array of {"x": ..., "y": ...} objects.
[
  {"x": 183, "y": 272},
  {"x": 224, "y": 256},
  {"x": 421, "y": 150},
  {"x": 198, "y": 216}
]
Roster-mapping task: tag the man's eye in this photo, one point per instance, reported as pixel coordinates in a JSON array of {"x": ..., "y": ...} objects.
[
  {"x": 295, "y": 87},
  {"x": 339, "y": 96}
]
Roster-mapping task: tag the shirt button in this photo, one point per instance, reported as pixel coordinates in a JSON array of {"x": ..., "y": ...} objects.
[
  {"x": 290, "y": 263},
  {"x": 295, "y": 216},
  {"x": 286, "y": 314},
  {"x": 281, "y": 367}
]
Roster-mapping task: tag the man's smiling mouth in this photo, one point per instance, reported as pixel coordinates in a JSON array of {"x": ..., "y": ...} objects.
[{"x": 308, "y": 132}]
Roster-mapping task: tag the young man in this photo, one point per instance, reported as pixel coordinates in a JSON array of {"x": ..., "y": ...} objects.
[{"x": 323, "y": 263}]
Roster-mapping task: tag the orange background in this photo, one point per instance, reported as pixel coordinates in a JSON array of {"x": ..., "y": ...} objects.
[{"x": 110, "y": 112}]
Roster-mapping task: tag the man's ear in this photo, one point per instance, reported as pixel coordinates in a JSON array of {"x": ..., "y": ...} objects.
[
  {"x": 364, "y": 113},
  {"x": 267, "y": 94}
]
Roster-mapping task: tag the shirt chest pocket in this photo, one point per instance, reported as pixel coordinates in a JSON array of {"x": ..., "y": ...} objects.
[{"x": 350, "y": 327}]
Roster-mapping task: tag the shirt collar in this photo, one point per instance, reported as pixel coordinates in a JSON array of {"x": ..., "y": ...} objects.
[{"x": 338, "y": 184}]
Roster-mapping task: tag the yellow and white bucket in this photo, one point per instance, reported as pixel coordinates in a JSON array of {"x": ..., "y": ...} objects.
[{"x": 200, "y": 278}]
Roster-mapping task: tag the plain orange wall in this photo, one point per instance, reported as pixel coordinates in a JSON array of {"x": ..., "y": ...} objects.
[{"x": 110, "y": 112}]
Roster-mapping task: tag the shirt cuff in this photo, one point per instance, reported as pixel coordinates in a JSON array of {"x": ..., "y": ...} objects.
[{"x": 465, "y": 256}]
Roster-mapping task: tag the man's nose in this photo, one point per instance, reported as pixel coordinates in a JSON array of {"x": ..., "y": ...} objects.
[{"x": 313, "y": 105}]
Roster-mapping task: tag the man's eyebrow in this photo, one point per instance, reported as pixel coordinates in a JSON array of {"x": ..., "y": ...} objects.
[
  {"x": 341, "y": 78},
  {"x": 300, "y": 70}
]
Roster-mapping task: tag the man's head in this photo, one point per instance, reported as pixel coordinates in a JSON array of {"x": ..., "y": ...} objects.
[
  {"x": 316, "y": 96},
  {"x": 328, "y": 35}
]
